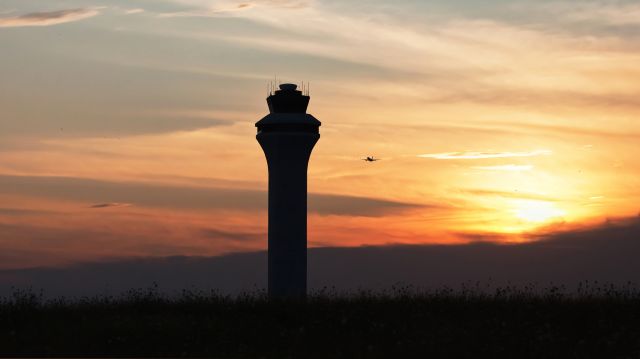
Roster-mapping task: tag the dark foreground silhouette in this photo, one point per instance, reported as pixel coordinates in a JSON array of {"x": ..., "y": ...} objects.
[{"x": 594, "y": 322}]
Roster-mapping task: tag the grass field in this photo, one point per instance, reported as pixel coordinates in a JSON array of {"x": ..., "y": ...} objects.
[{"x": 594, "y": 322}]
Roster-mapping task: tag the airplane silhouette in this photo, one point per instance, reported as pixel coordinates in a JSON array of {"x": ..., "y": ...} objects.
[{"x": 370, "y": 159}]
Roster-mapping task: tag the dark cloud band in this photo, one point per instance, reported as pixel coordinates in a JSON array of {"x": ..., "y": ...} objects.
[{"x": 105, "y": 194}]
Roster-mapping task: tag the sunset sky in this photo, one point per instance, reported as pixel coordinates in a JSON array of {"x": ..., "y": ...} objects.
[{"x": 127, "y": 127}]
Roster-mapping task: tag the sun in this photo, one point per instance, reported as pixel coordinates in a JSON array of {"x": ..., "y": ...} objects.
[{"x": 537, "y": 211}]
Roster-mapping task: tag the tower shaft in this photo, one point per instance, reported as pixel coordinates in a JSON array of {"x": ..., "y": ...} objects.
[{"x": 287, "y": 157}]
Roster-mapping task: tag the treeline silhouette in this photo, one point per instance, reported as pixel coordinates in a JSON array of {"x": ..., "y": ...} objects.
[{"x": 596, "y": 321}]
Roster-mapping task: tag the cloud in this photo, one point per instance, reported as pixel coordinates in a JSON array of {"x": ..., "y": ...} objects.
[
  {"x": 107, "y": 205},
  {"x": 184, "y": 197},
  {"x": 475, "y": 155},
  {"x": 502, "y": 71},
  {"x": 48, "y": 18},
  {"x": 507, "y": 168},
  {"x": 290, "y": 4},
  {"x": 505, "y": 194},
  {"x": 571, "y": 130},
  {"x": 342, "y": 205},
  {"x": 606, "y": 253},
  {"x": 133, "y": 11},
  {"x": 61, "y": 238},
  {"x": 227, "y": 8},
  {"x": 234, "y": 236},
  {"x": 117, "y": 124},
  {"x": 610, "y": 13},
  {"x": 20, "y": 212}
]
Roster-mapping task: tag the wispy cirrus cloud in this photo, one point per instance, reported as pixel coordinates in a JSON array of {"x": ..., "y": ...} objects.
[
  {"x": 500, "y": 74},
  {"x": 507, "y": 168},
  {"x": 48, "y": 18},
  {"x": 613, "y": 13},
  {"x": 508, "y": 194},
  {"x": 224, "y": 8},
  {"x": 243, "y": 4},
  {"x": 133, "y": 11},
  {"x": 204, "y": 13},
  {"x": 475, "y": 155}
]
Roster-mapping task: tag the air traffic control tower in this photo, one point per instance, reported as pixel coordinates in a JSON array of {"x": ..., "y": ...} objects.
[{"x": 287, "y": 136}]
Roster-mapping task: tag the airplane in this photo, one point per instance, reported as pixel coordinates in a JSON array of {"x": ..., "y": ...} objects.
[{"x": 370, "y": 159}]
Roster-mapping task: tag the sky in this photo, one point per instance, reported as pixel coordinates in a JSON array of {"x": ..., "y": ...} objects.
[{"x": 127, "y": 127}]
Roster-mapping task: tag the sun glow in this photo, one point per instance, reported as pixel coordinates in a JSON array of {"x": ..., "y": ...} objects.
[{"x": 537, "y": 211}]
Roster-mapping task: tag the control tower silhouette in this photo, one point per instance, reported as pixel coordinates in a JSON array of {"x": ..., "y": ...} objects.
[{"x": 287, "y": 136}]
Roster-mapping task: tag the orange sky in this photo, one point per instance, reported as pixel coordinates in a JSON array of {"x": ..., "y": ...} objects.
[{"x": 129, "y": 131}]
